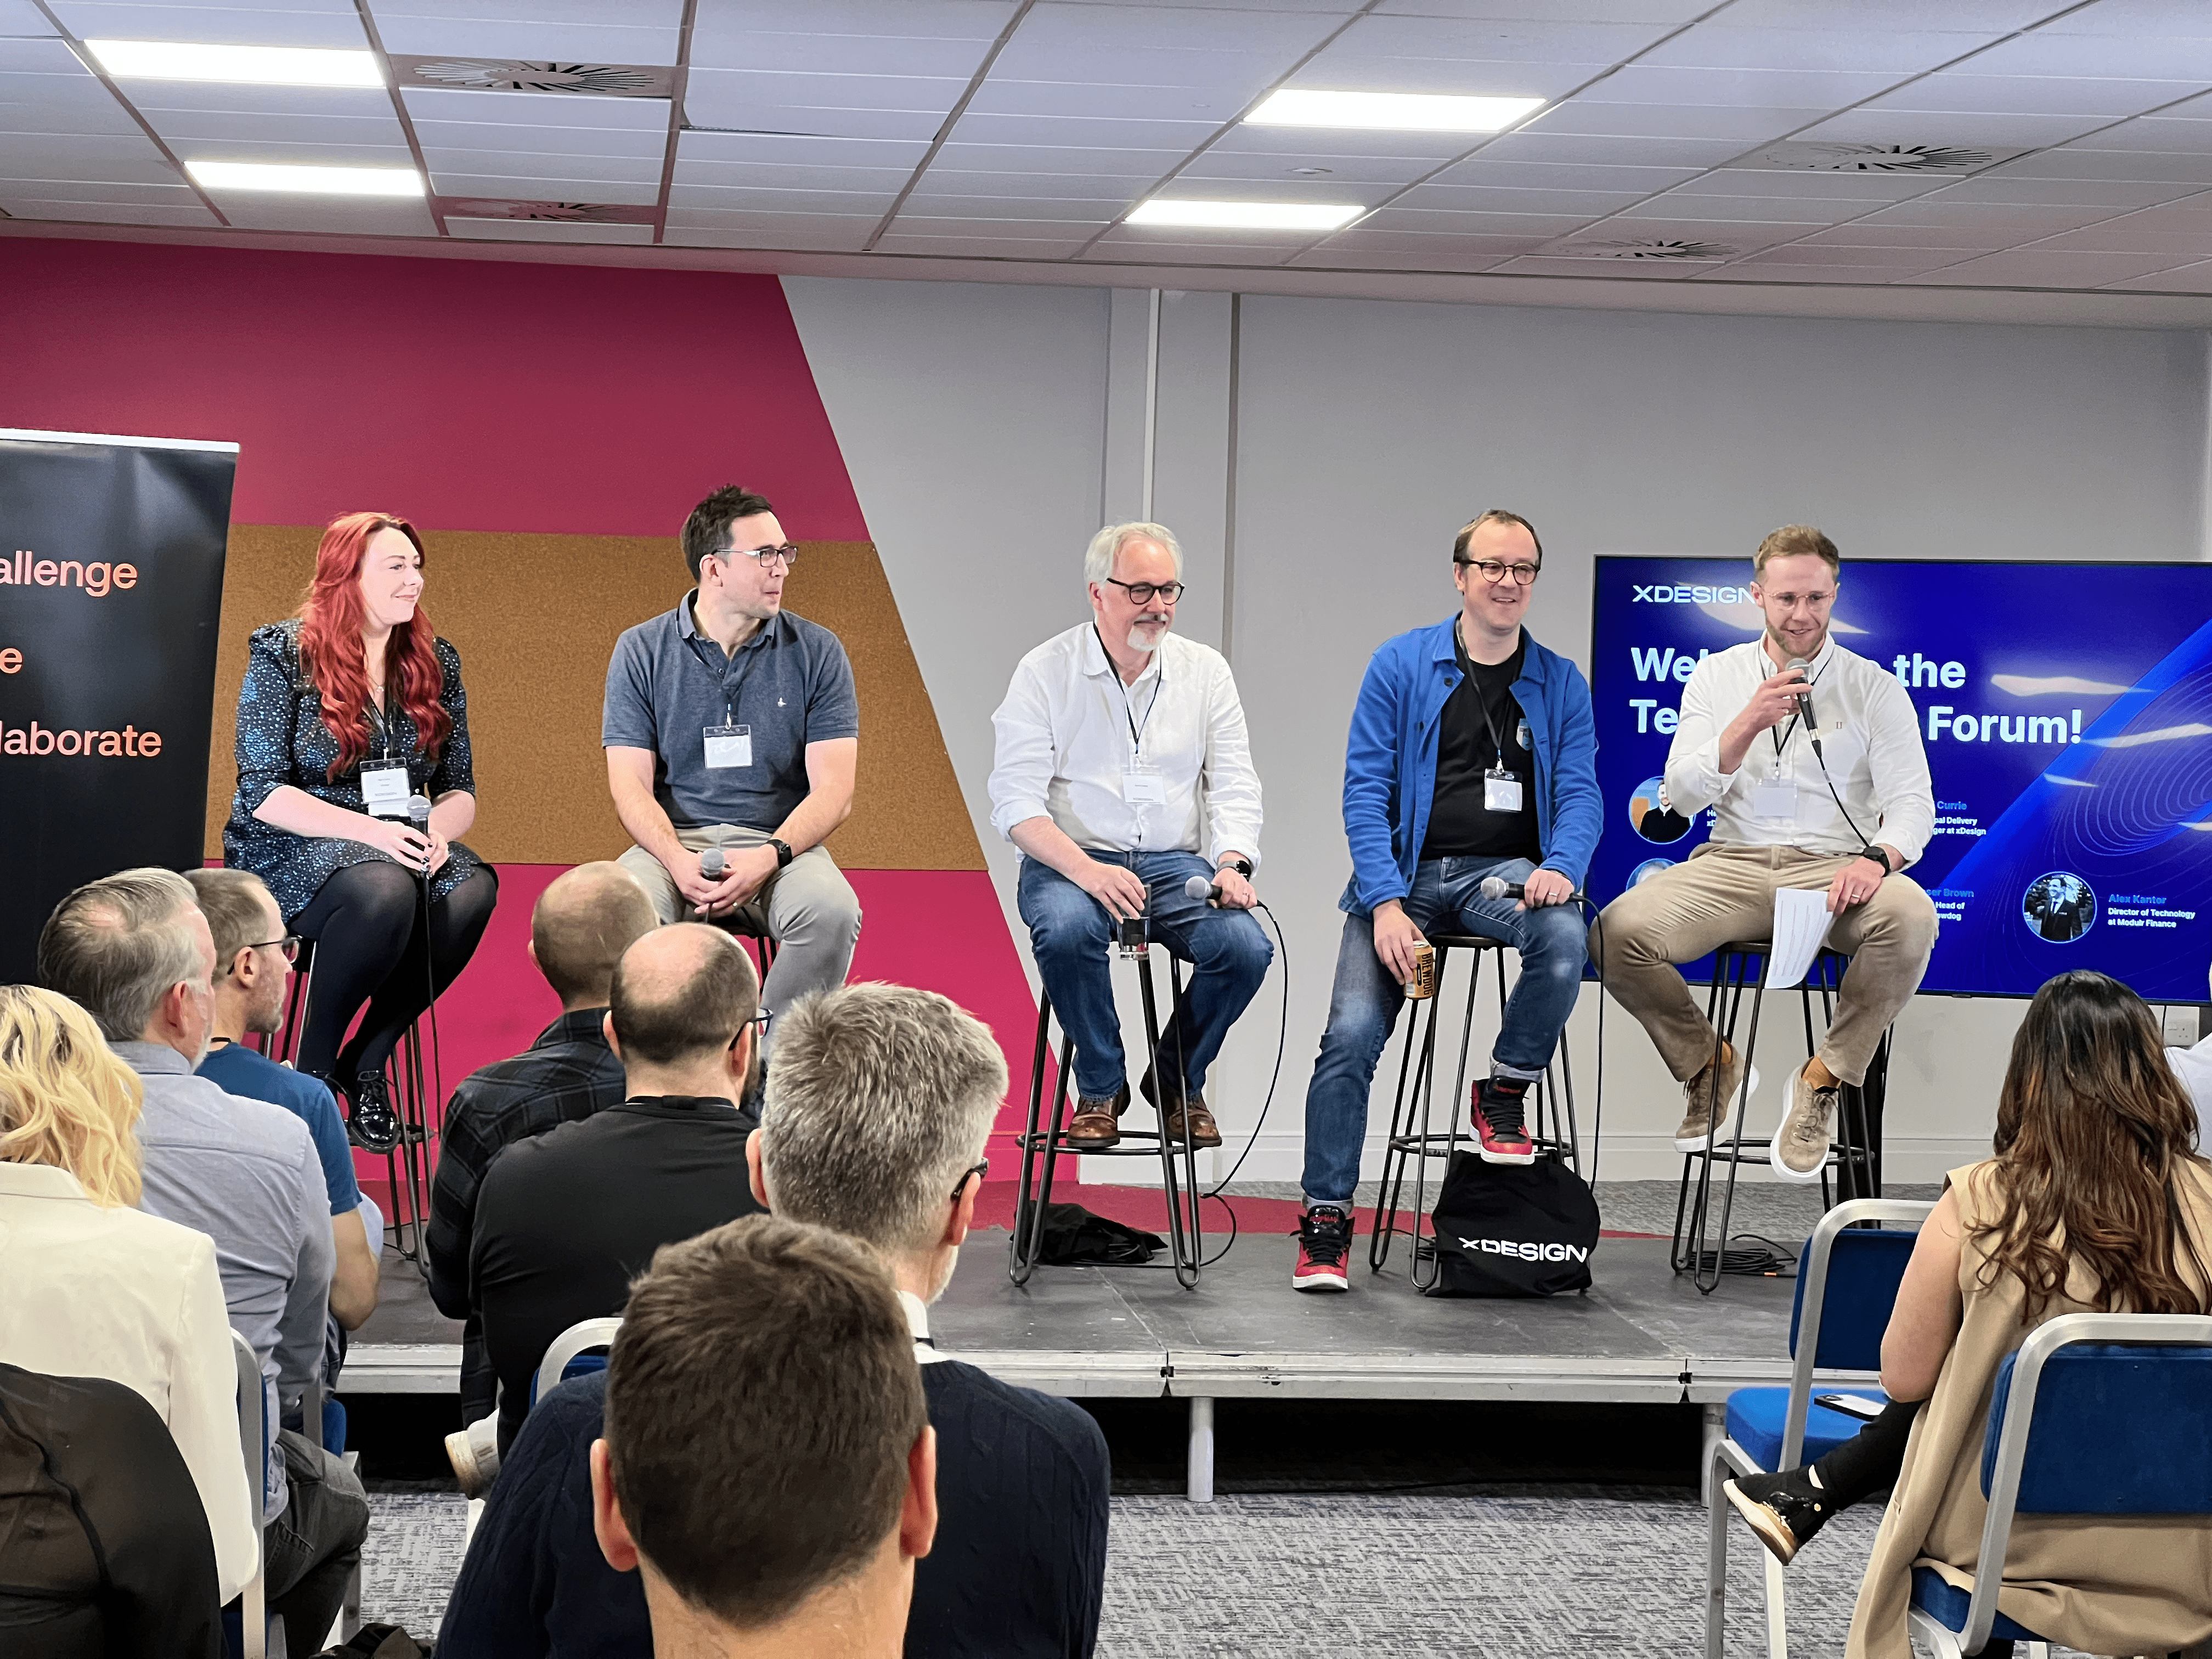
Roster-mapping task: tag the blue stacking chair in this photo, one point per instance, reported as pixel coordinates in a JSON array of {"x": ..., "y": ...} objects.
[
  {"x": 247, "y": 1627},
  {"x": 1847, "y": 1283},
  {"x": 2095, "y": 1414}
]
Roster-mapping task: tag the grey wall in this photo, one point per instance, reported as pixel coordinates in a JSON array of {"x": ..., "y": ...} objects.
[{"x": 1317, "y": 509}]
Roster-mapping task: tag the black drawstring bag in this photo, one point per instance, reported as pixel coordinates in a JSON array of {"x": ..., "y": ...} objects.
[
  {"x": 1073, "y": 1237},
  {"x": 1513, "y": 1228}
]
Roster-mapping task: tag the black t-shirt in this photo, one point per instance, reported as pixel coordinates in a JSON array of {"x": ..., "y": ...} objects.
[
  {"x": 1482, "y": 725},
  {"x": 566, "y": 1219}
]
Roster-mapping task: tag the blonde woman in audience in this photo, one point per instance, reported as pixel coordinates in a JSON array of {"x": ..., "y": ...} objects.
[{"x": 91, "y": 1287}]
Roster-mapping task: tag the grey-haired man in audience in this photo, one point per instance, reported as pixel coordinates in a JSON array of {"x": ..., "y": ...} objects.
[{"x": 133, "y": 951}]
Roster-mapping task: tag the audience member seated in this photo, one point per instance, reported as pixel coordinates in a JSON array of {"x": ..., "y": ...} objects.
[
  {"x": 580, "y": 926},
  {"x": 134, "y": 953},
  {"x": 2096, "y": 1202},
  {"x": 90, "y": 1287},
  {"x": 878, "y": 1108},
  {"x": 106, "y": 1547},
  {"x": 2194, "y": 1066},
  {"x": 253, "y": 961},
  {"x": 789, "y": 1526},
  {"x": 565, "y": 1221}
]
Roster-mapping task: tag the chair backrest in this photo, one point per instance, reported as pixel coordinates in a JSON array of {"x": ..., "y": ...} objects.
[
  {"x": 253, "y": 1448},
  {"x": 566, "y": 1348},
  {"x": 1847, "y": 1282},
  {"x": 2127, "y": 1398}
]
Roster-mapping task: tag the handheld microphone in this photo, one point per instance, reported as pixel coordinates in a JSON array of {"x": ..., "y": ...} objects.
[
  {"x": 1497, "y": 887},
  {"x": 418, "y": 820},
  {"x": 1805, "y": 696},
  {"x": 712, "y": 864},
  {"x": 1199, "y": 887}
]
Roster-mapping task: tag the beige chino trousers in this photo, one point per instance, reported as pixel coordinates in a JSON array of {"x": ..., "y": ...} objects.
[{"x": 1724, "y": 894}]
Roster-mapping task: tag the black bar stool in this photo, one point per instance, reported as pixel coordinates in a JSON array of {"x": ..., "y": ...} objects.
[
  {"x": 1047, "y": 1142},
  {"x": 1854, "y": 1153},
  {"x": 1413, "y": 1140}
]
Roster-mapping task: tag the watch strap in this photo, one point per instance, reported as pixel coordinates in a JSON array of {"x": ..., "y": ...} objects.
[
  {"x": 783, "y": 853},
  {"x": 1241, "y": 867}
]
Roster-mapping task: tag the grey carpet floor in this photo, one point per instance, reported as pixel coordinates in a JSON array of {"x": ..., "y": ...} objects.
[
  {"x": 1784, "y": 1213},
  {"x": 1558, "y": 1572}
]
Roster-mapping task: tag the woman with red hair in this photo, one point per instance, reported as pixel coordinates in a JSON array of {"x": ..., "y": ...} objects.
[{"x": 348, "y": 709}]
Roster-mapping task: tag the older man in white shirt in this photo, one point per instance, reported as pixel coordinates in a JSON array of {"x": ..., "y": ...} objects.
[
  {"x": 1123, "y": 769},
  {"x": 1809, "y": 757}
]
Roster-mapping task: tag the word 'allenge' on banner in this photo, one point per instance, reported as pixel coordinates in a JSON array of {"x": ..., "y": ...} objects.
[
  {"x": 2069, "y": 740},
  {"x": 111, "y": 589}
]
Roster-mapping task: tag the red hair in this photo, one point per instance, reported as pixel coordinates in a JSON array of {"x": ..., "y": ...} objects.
[{"x": 330, "y": 644}]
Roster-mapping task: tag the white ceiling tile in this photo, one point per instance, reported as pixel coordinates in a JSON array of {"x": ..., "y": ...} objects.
[
  {"x": 1746, "y": 125},
  {"x": 2146, "y": 57},
  {"x": 442, "y": 35},
  {"x": 1087, "y": 209},
  {"x": 2123, "y": 236},
  {"x": 738, "y": 175},
  {"x": 2190, "y": 216},
  {"x": 2178, "y": 17},
  {"x": 2154, "y": 134},
  {"x": 1547, "y": 225},
  {"x": 1087, "y": 132},
  {"x": 1477, "y": 199},
  {"x": 47, "y": 56},
  {"x": 623, "y": 13},
  {"x": 725, "y": 219},
  {"x": 1364, "y": 241},
  {"x": 909, "y": 223},
  {"x": 726, "y": 199},
  {"x": 1989, "y": 16},
  {"x": 1740, "y": 272},
  {"x": 934, "y": 94},
  {"x": 1220, "y": 163},
  {"x": 155, "y": 98},
  {"x": 1612, "y": 150},
  {"x": 799, "y": 149},
  {"x": 353, "y": 216},
  {"x": 2023, "y": 223},
  {"x": 1648, "y": 270},
  {"x": 1159, "y": 46},
  {"x": 87, "y": 114},
  {"x": 2182, "y": 279},
  {"x": 1433, "y": 146},
  {"x": 541, "y": 141},
  {"x": 1664, "y": 14},
  {"x": 207, "y": 130},
  {"x": 540, "y": 187},
  {"x": 1848, "y": 186},
  {"x": 1367, "y": 72},
  {"x": 1873, "y": 258},
  {"x": 523, "y": 164},
  {"x": 2074, "y": 162},
  {"x": 1331, "y": 257},
  {"x": 1807, "y": 212},
  {"x": 1899, "y": 126},
  {"x": 735, "y": 98},
  {"x": 1278, "y": 190},
  {"x": 1740, "y": 235},
  {"x": 535, "y": 109},
  {"x": 176, "y": 193},
  {"x": 84, "y": 155},
  {"x": 2027, "y": 268},
  {"x": 22, "y": 17},
  {"x": 981, "y": 248},
  {"x": 770, "y": 34},
  {"x": 1556, "y": 175},
  {"x": 109, "y": 213},
  {"x": 1501, "y": 39},
  {"x": 544, "y": 230},
  {"x": 1821, "y": 89},
  {"x": 1001, "y": 96},
  {"x": 845, "y": 54},
  {"x": 1962, "y": 93},
  {"x": 1722, "y": 43},
  {"x": 1018, "y": 158},
  {"x": 300, "y": 23},
  {"x": 2114, "y": 196},
  {"x": 1862, "y": 233},
  {"x": 814, "y": 241}
]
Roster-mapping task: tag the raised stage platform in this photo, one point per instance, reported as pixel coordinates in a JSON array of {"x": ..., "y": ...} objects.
[{"x": 1640, "y": 1334}]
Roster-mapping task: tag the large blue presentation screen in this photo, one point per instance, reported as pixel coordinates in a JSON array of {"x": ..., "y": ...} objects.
[{"x": 2067, "y": 713}]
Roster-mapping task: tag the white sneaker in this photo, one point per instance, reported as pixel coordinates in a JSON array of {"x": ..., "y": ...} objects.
[
  {"x": 1708, "y": 1109},
  {"x": 1800, "y": 1149}
]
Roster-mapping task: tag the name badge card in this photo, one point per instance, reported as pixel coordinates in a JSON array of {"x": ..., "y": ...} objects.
[
  {"x": 1144, "y": 786},
  {"x": 1501, "y": 790},
  {"x": 1774, "y": 799},
  {"x": 729, "y": 745},
  {"x": 383, "y": 788}
]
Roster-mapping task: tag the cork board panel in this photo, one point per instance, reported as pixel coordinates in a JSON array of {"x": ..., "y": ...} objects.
[{"x": 536, "y": 617}]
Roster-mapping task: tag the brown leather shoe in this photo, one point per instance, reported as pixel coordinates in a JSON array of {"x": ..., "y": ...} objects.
[
  {"x": 1096, "y": 1124},
  {"x": 1203, "y": 1132}
]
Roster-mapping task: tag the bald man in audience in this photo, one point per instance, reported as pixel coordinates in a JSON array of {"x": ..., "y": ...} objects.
[
  {"x": 567, "y": 1219},
  {"x": 580, "y": 927}
]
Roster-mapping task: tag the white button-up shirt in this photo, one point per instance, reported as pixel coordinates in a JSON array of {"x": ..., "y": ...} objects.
[
  {"x": 1869, "y": 739},
  {"x": 1069, "y": 729},
  {"x": 87, "y": 1291}
]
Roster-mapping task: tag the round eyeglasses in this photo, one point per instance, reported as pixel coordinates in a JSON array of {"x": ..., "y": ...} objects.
[
  {"x": 788, "y": 552},
  {"x": 1141, "y": 592},
  {"x": 1495, "y": 571},
  {"x": 290, "y": 945}
]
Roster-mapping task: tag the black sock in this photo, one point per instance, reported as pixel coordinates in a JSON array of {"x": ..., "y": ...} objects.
[{"x": 1869, "y": 1459}]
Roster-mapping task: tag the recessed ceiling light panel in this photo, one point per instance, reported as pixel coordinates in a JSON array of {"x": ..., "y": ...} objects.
[
  {"x": 1246, "y": 215},
  {"x": 1392, "y": 112},
  {"x": 264, "y": 66},
  {"x": 306, "y": 181}
]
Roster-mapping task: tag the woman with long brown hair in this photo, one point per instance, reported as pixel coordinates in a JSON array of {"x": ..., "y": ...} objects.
[
  {"x": 347, "y": 710},
  {"x": 2097, "y": 1201}
]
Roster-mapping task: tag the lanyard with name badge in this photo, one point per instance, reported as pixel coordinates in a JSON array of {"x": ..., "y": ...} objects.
[
  {"x": 384, "y": 783},
  {"x": 1142, "y": 783},
  {"x": 1774, "y": 797},
  {"x": 728, "y": 744},
  {"x": 1501, "y": 785}
]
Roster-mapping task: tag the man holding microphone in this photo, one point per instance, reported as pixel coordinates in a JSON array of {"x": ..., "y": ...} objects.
[{"x": 1810, "y": 757}]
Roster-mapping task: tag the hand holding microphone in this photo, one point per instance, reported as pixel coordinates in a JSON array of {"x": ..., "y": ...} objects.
[
  {"x": 435, "y": 850},
  {"x": 1543, "y": 887},
  {"x": 1228, "y": 890}
]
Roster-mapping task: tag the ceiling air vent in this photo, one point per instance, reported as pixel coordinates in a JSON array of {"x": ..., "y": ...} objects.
[
  {"x": 1802, "y": 155},
  {"x": 1642, "y": 247},
  {"x": 530, "y": 74},
  {"x": 585, "y": 213}
]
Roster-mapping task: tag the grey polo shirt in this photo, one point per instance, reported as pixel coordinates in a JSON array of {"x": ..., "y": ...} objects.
[
  {"x": 245, "y": 1173},
  {"x": 668, "y": 682}
]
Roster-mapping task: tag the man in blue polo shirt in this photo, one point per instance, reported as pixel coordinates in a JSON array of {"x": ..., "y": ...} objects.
[
  {"x": 731, "y": 731},
  {"x": 1473, "y": 754}
]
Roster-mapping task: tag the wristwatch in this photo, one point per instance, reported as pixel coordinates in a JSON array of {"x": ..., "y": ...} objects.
[
  {"x": 1879, "y": 857},
  {"x": 783, "y": 853},
  {"x": 1241, "y": 867}
]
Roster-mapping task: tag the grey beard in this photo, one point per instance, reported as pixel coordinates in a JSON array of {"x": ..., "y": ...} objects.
[{"x": 1137, "y": 642}]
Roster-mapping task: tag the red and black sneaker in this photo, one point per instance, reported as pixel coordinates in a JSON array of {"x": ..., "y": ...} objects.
[
  {"x": 1324, "y": 1242},
  {"x": 1499, "y": 1123}
]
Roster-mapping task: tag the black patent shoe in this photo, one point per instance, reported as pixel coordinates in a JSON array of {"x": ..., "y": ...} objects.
[
  {"x": 372, "y": 1125},
  {"x": 1785, "y": 1509}
]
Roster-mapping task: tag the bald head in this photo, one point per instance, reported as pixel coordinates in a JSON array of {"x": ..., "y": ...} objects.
[
  {"x": 580, "y": 927},
  {"x": 681, "y": 994}
]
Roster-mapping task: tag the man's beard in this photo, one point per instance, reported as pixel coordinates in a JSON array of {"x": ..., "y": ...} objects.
[
  {"x": 951, "y": 1261},
  {"x": 267, "y": 1021},
  {"x": 1137, "y": 642},
  {"x": 1788, "y": 650}
]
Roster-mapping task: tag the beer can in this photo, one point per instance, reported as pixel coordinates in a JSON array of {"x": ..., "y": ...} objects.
[{"x": 1424, "y": 983}]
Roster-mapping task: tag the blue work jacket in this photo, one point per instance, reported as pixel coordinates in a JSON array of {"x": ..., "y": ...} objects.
[{"x": 1390, "y": 761}]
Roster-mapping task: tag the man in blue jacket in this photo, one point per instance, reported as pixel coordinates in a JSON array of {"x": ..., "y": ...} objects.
[{"x": 1473, "y": 754}]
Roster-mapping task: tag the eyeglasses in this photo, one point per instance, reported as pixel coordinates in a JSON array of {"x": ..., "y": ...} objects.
[
  {"x": 789, "y": 553},
  {"x": 978, "y": 1170},
  {"x": 757, "y": 1025},
  {"x": 1141, "y": 592},
  {"x": 290, "y": 945},
  {"x": 1493, "y": 571}
]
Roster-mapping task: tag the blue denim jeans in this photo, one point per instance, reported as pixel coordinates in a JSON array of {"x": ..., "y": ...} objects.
[
  {"x": 1362, "y": 1005},
  {"x": 1070, "y": 934}
]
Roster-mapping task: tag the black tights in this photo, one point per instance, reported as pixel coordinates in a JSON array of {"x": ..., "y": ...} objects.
[
  {"x": 1869, "y": 1461},
  {"x": 370, "y": 947}
]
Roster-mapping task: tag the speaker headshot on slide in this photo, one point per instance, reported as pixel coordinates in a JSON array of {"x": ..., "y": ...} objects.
[
  {"x": 351, "y": 717},
  {"x": 1472, "y": 757},
  {"x": 1809, "y": 757},
  {"x": 733, "y": 734},
  {"x": 1122, "y": 772}
]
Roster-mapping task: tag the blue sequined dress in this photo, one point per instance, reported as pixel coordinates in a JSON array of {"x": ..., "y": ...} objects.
[{"x": 282, "y": 739}]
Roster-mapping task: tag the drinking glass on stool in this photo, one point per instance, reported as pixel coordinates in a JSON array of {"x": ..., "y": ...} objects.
[
  {"x": 1854, "y": 1153},
  {"x": 1050, "y": 1140},
  {"x": 1552, "y": 1126}
]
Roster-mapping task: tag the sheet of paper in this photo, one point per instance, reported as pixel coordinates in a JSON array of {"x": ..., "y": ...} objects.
[{"x": 1800, "y": 927}]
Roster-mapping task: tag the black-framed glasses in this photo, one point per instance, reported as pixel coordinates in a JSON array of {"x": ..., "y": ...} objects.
[
  {"x": 1141, "y": 592},
  {"x": 1496, "y": 570},
  {"x": 290, "y": 945},
  {"x": 757, "y": 1025},
  {"x": 978, "y": 1170},
  {"x": 788, "y": 552}
]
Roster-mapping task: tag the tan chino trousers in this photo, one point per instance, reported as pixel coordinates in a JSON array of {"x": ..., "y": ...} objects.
[{"x": 1725, "y": 894}]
